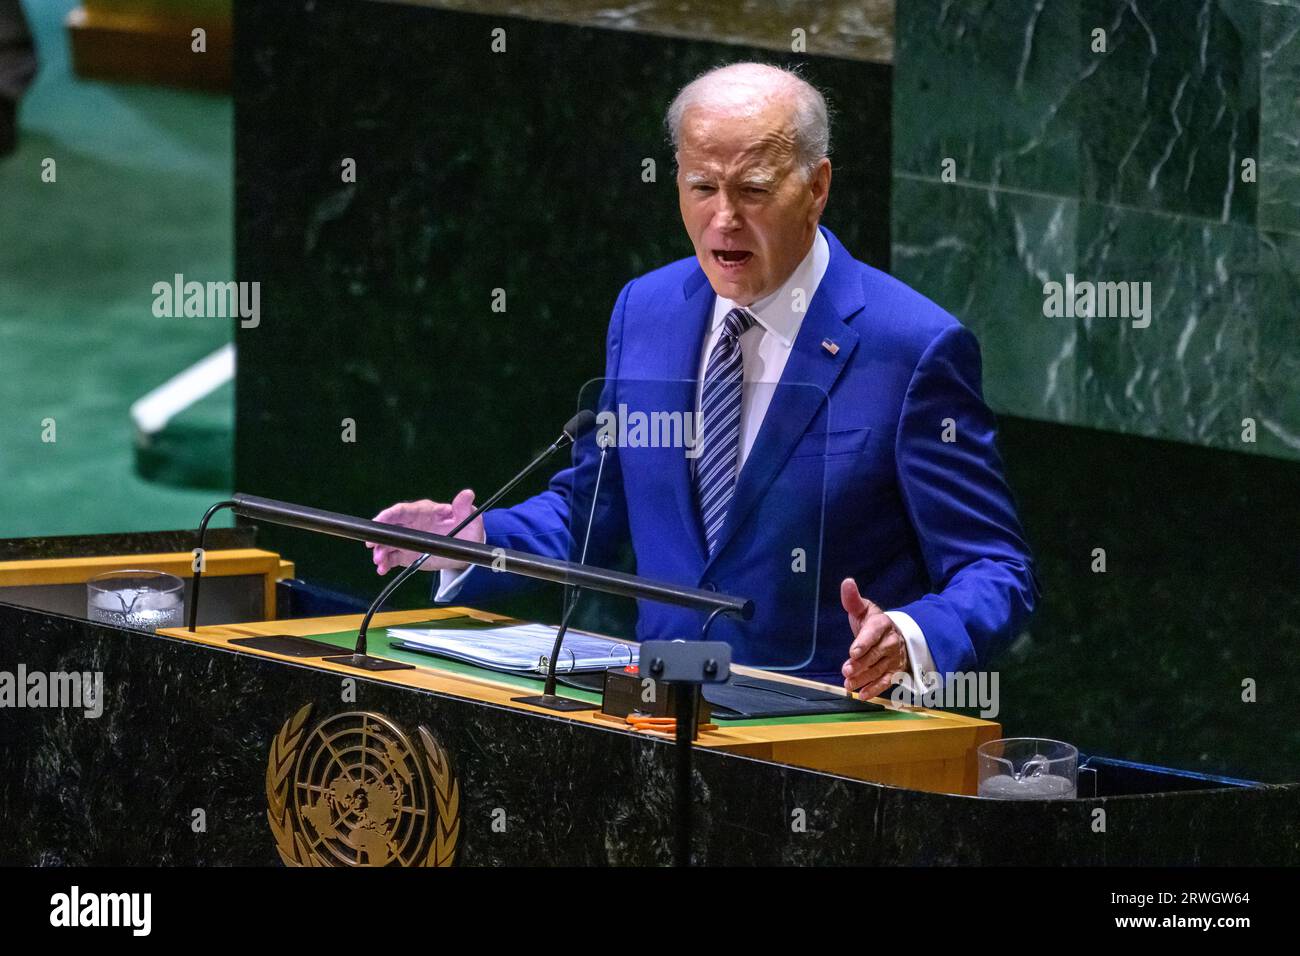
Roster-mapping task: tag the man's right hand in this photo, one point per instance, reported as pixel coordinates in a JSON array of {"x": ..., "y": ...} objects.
[{"x": 426, "y": 515}]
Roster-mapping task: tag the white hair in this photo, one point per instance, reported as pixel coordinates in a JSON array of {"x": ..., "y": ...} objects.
[{"x": 747, "y": 85}]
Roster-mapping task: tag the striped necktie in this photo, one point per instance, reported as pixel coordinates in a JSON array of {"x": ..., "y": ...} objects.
[{"x": 719, "y": 425}]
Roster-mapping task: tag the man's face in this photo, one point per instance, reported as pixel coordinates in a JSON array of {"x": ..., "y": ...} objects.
[{"x": 748, "y": 208}]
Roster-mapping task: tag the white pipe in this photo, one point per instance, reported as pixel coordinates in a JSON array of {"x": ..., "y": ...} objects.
[{"x": 152, "y": 412}]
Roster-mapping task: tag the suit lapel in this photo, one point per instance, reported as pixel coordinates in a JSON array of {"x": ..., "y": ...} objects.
[{"x": 806, "y": 381}]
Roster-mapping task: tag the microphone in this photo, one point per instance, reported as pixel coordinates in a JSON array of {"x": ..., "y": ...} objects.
[
  {"x": 548, "y": 698},
  {"x": 573, "y": 429}
]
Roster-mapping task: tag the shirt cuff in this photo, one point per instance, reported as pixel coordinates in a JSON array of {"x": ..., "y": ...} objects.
[
  {"x": 923, "y": 672},
  {"x": 450, "y": 583}
]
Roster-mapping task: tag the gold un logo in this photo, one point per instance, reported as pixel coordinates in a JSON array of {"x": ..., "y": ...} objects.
[{"x": 355, "y": 791}]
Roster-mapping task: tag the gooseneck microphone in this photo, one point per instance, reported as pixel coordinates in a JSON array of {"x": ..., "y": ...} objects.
[
  {"x": 548, "y": 698},
  {"x": 573, "y": 429}
]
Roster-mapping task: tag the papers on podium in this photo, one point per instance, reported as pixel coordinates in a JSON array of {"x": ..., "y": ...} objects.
[{"x": 522, "y": 648}]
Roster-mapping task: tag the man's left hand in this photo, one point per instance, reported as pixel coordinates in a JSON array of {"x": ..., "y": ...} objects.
[{"x": 878, "y": 650}]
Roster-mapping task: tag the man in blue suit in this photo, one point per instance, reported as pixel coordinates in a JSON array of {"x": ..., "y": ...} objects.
[{"x": 841, "y": 460}]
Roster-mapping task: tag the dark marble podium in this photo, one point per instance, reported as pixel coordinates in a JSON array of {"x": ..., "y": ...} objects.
[{"x": 175, "y": 772}]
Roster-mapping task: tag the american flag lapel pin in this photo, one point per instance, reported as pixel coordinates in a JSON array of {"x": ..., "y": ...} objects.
[{"x": 830, "y": 346}]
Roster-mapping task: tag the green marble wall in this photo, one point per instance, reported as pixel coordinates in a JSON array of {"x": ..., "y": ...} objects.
[{"x": 1117, "y": 166}]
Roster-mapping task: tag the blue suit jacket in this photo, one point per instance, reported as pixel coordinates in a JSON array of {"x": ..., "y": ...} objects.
[{"x": 849, "y": 475}]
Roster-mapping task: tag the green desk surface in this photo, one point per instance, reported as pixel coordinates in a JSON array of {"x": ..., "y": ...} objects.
[{"x": 377, "y": 643}]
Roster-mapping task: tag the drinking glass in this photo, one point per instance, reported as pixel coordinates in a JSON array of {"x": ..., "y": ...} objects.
[
  {"x": 140, "y": 600},
  {"x": 1028, "y": 768}
]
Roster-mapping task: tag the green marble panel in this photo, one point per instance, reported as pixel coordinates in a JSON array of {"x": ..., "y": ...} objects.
[
  {"x": 1275, "y": 396},
  {"x": 1170, "y": 110},
  {"x": 984, "y": 255},
  {"x": 988, "y": 85},
  {"x": 1147, "y": 139},
  {"x": 1186, "y": 375},
  {"x": 1279, "y": 93}
]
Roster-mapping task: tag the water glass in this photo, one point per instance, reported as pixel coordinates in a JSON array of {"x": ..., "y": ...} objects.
[
  {"x": 1028, "y": 768},
  {"x": 140, "y": 600}
]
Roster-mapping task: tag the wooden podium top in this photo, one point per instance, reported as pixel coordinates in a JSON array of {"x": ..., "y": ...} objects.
[{"x": 910, "y": 747}]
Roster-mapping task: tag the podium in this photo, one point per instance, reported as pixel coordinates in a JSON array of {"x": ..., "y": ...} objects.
[
  {"x": 208, "y": 753},
  {"x": 910, "y": 747}
]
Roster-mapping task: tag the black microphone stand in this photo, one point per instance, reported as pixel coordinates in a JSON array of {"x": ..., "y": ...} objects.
[
  {"x": 686, "y": 665},
  {"x": 295, "y": 646},
  {"x": 529, "y": 565},
  {"x": 578, "y": 424},
  {"x": 548, "y": 698}
]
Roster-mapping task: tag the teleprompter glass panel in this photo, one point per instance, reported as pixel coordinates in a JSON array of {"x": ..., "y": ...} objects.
[{"x": 736, "y": 512}]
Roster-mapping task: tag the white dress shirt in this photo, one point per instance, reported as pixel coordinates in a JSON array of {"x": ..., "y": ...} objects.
[{"x": 765, "y": 348}]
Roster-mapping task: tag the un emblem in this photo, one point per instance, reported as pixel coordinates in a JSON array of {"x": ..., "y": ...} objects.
[{"x": 354, "y": 791}]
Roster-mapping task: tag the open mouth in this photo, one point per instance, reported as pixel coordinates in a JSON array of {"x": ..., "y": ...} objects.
[{"x": 732, "y": 258}]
